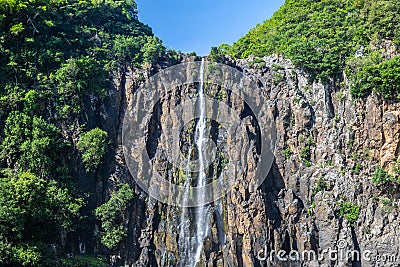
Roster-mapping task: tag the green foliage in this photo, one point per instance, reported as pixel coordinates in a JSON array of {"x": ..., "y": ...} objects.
[
  {"x": 357, "y": 168},
  {"x": 387, "y": 81},
  {"x": 17, "y": 28},
  {"x": 373, "y": 73},
  {"x": 385, "y": 181},
  {"x": 110, "y": 215},
  {"x": 305, "y": 153},
  {"x": 278, "y": 78},
  {"x": 217, "y": 54},
  {"x": 380, "y": 176},
  {"x": 276, "y": 67},
  {"x": 78, "y": 77},
  {"x": 25, "y": 255},
  {"x": 287, "y": 152},
  {"x": 313, "y": 34},
  {"x": 386, "y": 201},
  {"x": 92, "y": 146},
  {"x": 62, "y": 50},
  {"x": 57, "y": 58},
  {"x": 321, "y": 185},
  {"x": 349, "y": 211},
  {"x": 321, "y": 36},
  {"x": 396, "y": 168},
  {"x": 30, "y": 143},
  {"x": 383, "y": 19},
  {"x": 33, "y": 211},
  {"x": 152, "y": 49},
  {"x": 31, "y": 100},
  {"x": 84, "y": 260}
]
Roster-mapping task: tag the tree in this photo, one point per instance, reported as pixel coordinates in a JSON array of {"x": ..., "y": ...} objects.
[
  {"x": 33, "y": 212},
  {"x": 323, "y": 37},
  {"x": 55, "y": 56},
  {"x": 30, "y": 143},
  {"x": 92, "y": 146},
  {"x": 152, "y": 49},
  {"x": 217, "y": 54},
  {"x": 80, "y": 77},
  {"x": 110, "y": 215}
]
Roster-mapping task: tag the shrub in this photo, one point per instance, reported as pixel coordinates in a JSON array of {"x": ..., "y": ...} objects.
[
  {"x": 84, "y": 261},
  {"x": 385, "y": 181},
  {"x": 357, "y": 168},
  {"x": 380, "y": 177},
  {"x": 92, "y": 145},
  {"x": 217, "y": 54},
  {"x": 278, "y": 78},
  {"x": 305, "y": 152},
  {"x": 26, "y": 255},
  {"x": 349, "y": 211},
  {"x": 110, "y": 215},
  {"x": 30, "y": 143},
  {"x": 321, "y": 185},
  {"x": 79, "y": 77},
  {"x": 379, "y": 75},
  {"x": 34, "y": 211},
  {"x": 287, "y": 152}
]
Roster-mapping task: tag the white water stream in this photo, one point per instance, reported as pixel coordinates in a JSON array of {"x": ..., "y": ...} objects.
[{"x": 194, "y": 221}]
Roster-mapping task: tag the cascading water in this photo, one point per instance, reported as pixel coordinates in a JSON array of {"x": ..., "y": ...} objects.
[
  {"x": 200, "y": 135},
  {"x": 184, "y": 234},
  {"x": 194, "y": 221}
]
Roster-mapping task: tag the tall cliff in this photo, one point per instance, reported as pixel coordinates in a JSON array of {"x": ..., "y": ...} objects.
[
  {"x": 328, "y": 148},
  {"x": 329, "y": 74}
]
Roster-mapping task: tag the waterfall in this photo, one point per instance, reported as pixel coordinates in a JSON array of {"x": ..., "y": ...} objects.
[
  {"x": 184, "y": 234},
  {"x": 194, "y": 221},
  {"x": 200, "y": 135}
]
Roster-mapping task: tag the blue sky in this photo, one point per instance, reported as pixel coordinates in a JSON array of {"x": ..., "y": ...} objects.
[{"x": 196, "y": 26}]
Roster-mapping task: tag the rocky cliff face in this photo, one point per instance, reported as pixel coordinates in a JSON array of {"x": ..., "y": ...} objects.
[{"x": 328, "y": 148}]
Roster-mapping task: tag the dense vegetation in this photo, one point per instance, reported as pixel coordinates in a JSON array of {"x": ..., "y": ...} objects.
[
  {"x": 326, "y": 37},
  {"x": 110, "y": 215},
  {"x": 58, "y": 58},
  {"x": 92, "y": 145},
  {"x": 55, "y": 56}
]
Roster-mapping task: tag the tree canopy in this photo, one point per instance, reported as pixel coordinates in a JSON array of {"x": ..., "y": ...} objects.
[
  {"x": 325, "y": 37},
  {"x": 55, "y": 56}
]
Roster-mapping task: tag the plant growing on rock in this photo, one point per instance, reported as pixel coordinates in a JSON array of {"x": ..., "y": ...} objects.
[
  {"x": 380, "y": 176},
  {"x": 385, "y": 181},
  {"x": 92, "y": 146},
  {"x": 84, "y": 260},
  {"x": 349, "y": 211},
  {"x": 305, "y": 152},
  {"x": 278, "y": 78},
  {"x": 325, "y": 37},
  {"x": 110, "y": 215},
  {"x": 357, "y": 168},
  {"x": 321, "y": 185},
  {"x": 287, "y": 152}
]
